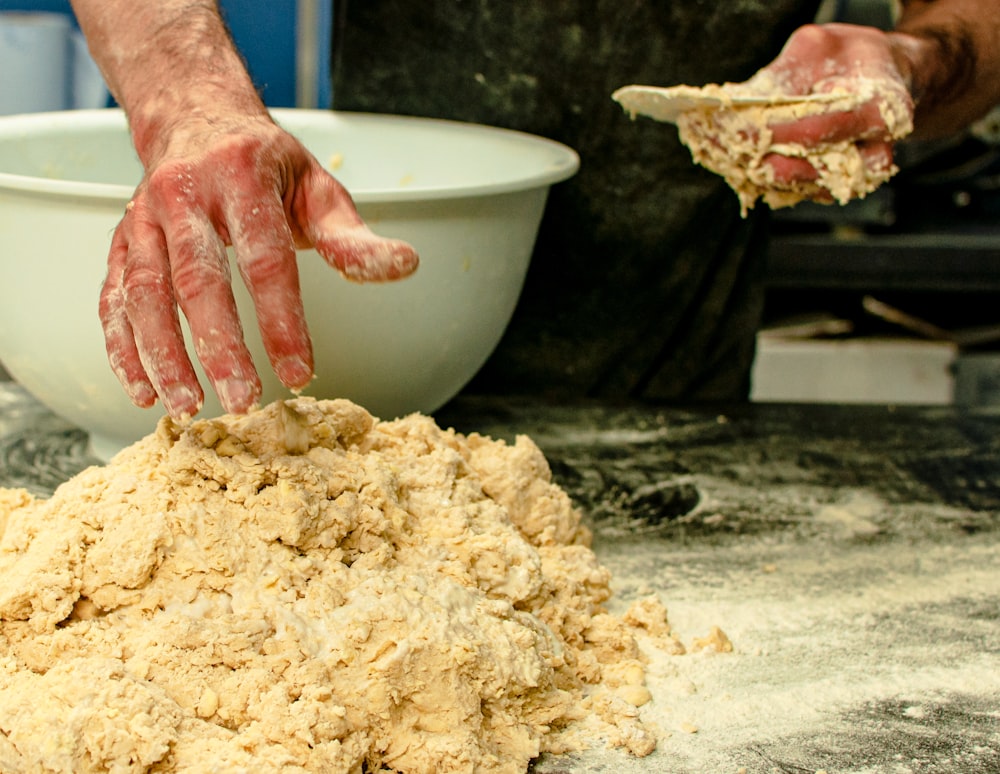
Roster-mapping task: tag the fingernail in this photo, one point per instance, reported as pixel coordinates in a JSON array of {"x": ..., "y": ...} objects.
[
  {"x": 237, "y": 395},
  {"x": 365, "y": 257},
  {"x": 139, "y": 391},
  {"x": 181, "y": 402},
  {"x": 293, "y": 372},
  {"x": 141, "y": 394}
]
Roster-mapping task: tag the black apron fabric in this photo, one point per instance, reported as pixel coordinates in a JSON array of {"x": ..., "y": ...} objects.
[{"x": 645, "y": 282}]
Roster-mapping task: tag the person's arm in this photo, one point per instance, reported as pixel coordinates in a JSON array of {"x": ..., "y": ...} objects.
[
  {"x": 219, "y": 172},
  {"x": 941, "y": 64},
  {"x": 949, "y": 51}
]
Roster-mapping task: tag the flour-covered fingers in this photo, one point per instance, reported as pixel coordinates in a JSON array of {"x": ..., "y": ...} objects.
[
  {"x": 876, "y": 155},
  {"x": 865, "y": 122},
  {"x": 791, "y": 169},
  {"x": 150, "y": 305},
  {"x": 203, "y": 286},
  {"x": 123, "y": 355},
  {"x": 326, "y": 215},
  {"x": 819, "y": 57},
  {"x": 266, "y": 257}
]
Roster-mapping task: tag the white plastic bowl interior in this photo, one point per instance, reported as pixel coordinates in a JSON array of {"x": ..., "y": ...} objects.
[{"x": 468, "y": 197}]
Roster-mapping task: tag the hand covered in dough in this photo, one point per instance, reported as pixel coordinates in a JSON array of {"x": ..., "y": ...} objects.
[
  {"x": 823, "y": 59},
  {"x": 210, "y": 184}
]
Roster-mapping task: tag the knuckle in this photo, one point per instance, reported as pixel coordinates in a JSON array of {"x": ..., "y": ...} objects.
[
  {"x": 263, "y": 267},
  {"x": 109, "y": 305},
  {"x": 170, "y": 183},
  {"x": 195, "y": 276},
  {"x": 142, "y": 285}
]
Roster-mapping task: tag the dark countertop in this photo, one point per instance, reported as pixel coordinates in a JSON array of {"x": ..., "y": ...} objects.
[{"x": 851, "y": 554}]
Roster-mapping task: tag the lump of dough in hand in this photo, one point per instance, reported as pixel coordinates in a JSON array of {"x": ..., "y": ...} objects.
[{"x": 733, "y": 140}]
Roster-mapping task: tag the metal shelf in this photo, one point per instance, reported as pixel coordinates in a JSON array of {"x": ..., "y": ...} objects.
[{"x": 945, "y": 261}]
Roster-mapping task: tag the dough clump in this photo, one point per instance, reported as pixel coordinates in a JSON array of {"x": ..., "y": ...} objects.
[
  {"x": 310, "y": 589},
  {"x": 726, "y": 127},
  {"x": 732, "y": 139}
]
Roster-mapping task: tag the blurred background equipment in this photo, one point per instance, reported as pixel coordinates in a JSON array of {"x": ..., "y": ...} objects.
[{"x": 286, "y": 44}]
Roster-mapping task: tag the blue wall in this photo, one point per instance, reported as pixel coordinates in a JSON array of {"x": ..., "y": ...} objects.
[{"x": 264, "y": 31}]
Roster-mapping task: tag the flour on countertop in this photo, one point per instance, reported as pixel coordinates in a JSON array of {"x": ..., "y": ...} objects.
[{"x": 311, "y": 589}]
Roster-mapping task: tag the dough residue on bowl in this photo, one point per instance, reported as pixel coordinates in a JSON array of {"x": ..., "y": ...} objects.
[{"x": 310, "y": 589}]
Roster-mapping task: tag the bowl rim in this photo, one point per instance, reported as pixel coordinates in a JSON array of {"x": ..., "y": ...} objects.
[{"x": 565, "y": 160}]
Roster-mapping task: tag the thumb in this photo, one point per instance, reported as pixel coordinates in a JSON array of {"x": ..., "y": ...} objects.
[
  {"x": 363, "y": 256},
  {"x": 327, "y": 218}
]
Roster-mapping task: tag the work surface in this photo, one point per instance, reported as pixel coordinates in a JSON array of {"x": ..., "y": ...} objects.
[{"x": 851, "y": 554}]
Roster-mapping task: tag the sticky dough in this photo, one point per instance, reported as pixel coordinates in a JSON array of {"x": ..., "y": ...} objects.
[
  {"x": 309, "y": 589},
  {"x": 732, "y": 140}
]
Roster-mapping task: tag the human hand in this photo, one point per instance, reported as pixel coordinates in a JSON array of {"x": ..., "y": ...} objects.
[
  {"x": 209, "y": 185},
  {"x": 827, "y": 58}
]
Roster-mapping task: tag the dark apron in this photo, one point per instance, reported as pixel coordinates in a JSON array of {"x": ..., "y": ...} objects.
[{"x": 645, "y": 282}]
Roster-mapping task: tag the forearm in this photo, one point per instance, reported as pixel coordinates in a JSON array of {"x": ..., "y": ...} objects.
[
  {"x": 950, "y": 52},
  {"x": 167, "y": 62}
]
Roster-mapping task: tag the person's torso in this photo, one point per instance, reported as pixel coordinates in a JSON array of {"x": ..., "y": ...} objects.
[{"x": 640, "y": 282}]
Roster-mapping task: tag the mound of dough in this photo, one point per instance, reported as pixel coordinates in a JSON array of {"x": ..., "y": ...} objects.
[{"x": 309, "y": 589}]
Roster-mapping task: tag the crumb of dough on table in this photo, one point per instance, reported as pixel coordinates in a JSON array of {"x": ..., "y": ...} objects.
[
  {"x": 310, "y": 589},
  {"x": 715, "y": 641}
]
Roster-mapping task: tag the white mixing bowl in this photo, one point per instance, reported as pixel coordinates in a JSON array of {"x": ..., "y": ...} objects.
[{"x": 468, "y": 197}]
